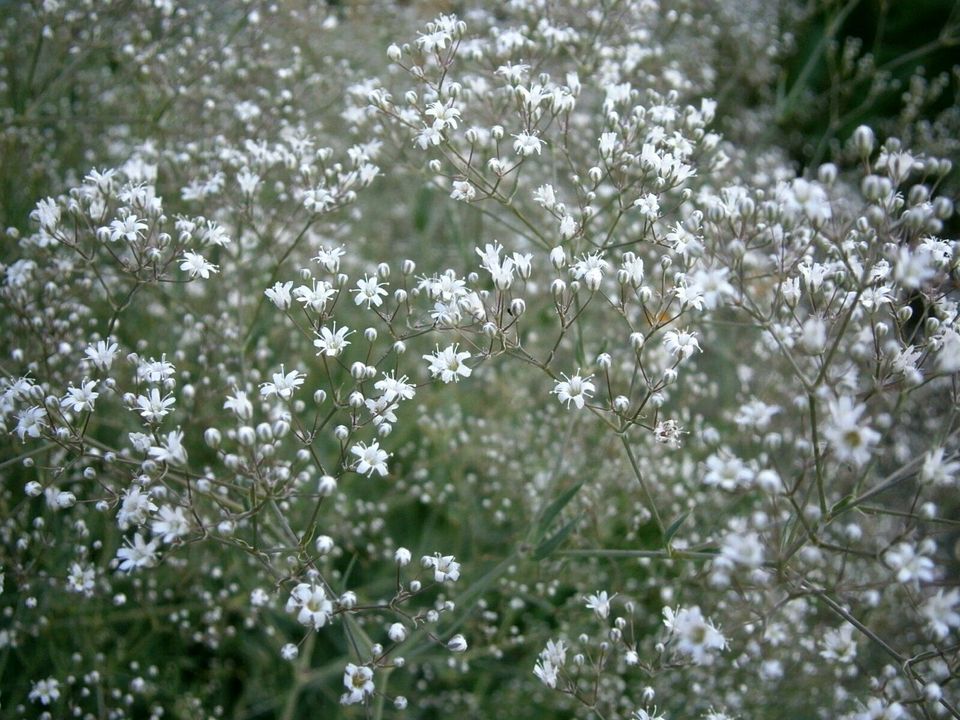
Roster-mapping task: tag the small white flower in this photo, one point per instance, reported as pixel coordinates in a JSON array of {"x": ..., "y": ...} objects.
[
  {"x": 45, "y": 691},
  {"x": 696, "y": 636},
  {"x": 197, "y": 265},
  {"x": 445, "y": 567},
  {"x": 681, "y": 343},
  {"x": 80, "y": 399},
  {"x": 284, "y": 384},
  {"x": 575, "y": 389},
  {"x": 171, "y": 451},
  {"x": 370, "y": 458},
  {"x": 332, "y": 342},
  {"x": 279, "y": 294},
  {"x": 448, "y": 364},
  {"x": 850, "y": 437},
  {"x": 358, "y": 679},
  {"x": 600, "y": 604},
  {"x": 369, "y": 291},
  {"x": 311, "y": 604},
  {"x": 139, "y": 554},
  {"x": 526, "y": 144}
]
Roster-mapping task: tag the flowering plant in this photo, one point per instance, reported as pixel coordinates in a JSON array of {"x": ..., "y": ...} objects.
[{"x": 668, "y": 417}]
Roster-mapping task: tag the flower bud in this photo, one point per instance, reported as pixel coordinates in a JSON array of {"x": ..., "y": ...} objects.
[
  {"x": 324, "y": 544},
  {"x": 397, "y": 633},
  {"x": 212, "y": 437},
  {"x": 457, "y": 644},
  {"x": 327, "y": 485},
  {"x": 246, "y": 436},
  {"x": 863, "y": 141},
  {"x": 558, "y": 258}
]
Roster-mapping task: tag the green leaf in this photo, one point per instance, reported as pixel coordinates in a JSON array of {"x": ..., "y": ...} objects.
[
  {"x": 554, "y": 508},
  {"x": 842, "y": 505},
  {"x": 547, "y": 547},
  {"x": 674, "y": 526}
]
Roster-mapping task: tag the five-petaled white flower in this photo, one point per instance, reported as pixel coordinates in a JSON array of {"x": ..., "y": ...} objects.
[
  {"x": 681, "y": 343},
  {"x": 311, "y": 604},
  {"x": 445, "y": 567},
  {"x": 369, "y": 291},
  {"x": 284, "y": 384},
  {"x": 370, "y": 458},
  {"x": 448, "y": 364},
  {"x": 526, "y": 144},
  {"x": 575, "y": 389},
  {"x": 332, "y": 342},
  {"x": 358, "y": 679},
  {"x": 80, "y": 399},
  {"x": 136, "y": 555},
  {"x": 600, "y": 604},
  {"x": 197, "y": 265}
]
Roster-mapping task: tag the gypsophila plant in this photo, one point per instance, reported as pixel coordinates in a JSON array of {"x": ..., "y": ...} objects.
[{"x": 381, "y": 361}]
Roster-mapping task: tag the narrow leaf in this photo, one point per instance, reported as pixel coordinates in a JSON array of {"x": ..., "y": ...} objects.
[
  {"x": 554, "y": 508},
  {"x": 547, "y": 547}
]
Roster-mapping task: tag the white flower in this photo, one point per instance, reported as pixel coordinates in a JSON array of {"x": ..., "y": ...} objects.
[
  {"x": 444, "y": 115},
  {"x": 316, "y": 296},
  {"x": 128, "y": 228},
  {"x": 370, "y": 458},
  {"x": 696, "y": 636},
  {"x": 197, "y": 265},
  {"x": 358, "y": 679},
  {"x": 29, "y": 422},
  {"x": 134, "y": 508},
  {"x": 910, "y": 565},
  {"x": 590, "y": 269},
  {"x": 80, "y": 399},
  {"x": 102, "y": 354},
  {"x": 138, "y": 555},
  {"x": 449, "y": 364},
  {"x": 279, "y": 294},
  {"x": 311, "y": 604},
  {"x": 239, "y": 404},
  {"x": 649, "y": 206},
  {"x": 171, "y": 525},
  {"x": 937, "y": 470},
  {"x": 81, "y": 579},
  {"x": 600, "y": 604},
  {"x": 332, "y": 342},
  {"x": 397, "y": 632},
  {"x": 152, "y": 407},
  {"x": 940, "y": 610},
  {"x": 877, "y": 709},
  {"x": 284, "y": 384},
  {"x": 463, "y": 190},
  {"x": 369, "y": 291},
  {"x": 393, "y": 387},
  {"x": 445, "y": 567},
  {"x": 45, "y": 691},
  {"x": 850, "y": 438},
  {"x": 171, "y": 451},
  {"x": 526, "y": 144},
  {"x": 575, "y": 389},
  {"x": 681, "y": 343},
  {"x": 330, "y": 259},
  {"x": 839, "y": 645}
]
